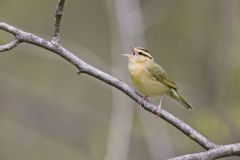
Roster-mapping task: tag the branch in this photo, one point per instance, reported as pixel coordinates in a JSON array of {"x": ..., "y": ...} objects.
[
  {"x": 13, "y": 43},
  {"x": 58, "y": 17},
  {"x": 10, "y": 45},
  {"x": 221, "y": 151},
  {"x": 83, "y": 67}
]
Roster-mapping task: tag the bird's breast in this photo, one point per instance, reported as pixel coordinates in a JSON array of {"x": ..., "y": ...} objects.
[{"x": 144, "y": 82}]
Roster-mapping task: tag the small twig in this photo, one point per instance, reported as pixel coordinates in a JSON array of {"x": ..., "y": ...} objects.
[
  {"x": 221, "y": 151},
  {"x": 10, "y": 45},
  {"x": 58, "y": 17}
]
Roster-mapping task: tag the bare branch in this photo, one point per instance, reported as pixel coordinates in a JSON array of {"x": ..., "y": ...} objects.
[
  {"x": 221, "y": 151},
  {"x": 10, "y": 29},
  {"x": 83, "y": 67},
  {"x": 58, "y": 17},
  {"x": 10, "y": 45}
]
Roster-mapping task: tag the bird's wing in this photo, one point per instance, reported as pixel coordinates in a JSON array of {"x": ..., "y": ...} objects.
[{"x": 159, "y": 74}]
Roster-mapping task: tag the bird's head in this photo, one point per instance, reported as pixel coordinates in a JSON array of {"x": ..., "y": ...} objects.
[{"x": 139, "y": 55}]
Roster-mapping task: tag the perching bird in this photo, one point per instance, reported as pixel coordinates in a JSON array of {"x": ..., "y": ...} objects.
[{"x": 151, "y": 79}]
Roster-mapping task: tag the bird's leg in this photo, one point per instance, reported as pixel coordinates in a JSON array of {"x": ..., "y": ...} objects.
[
  {"x": 159, "y": 108},
  {"x": 143, "y": 100}
]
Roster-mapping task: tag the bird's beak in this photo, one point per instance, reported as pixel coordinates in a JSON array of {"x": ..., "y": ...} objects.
[{"x": 127, "y": 55}]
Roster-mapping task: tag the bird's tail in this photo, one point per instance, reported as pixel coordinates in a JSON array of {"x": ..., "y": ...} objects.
[{"x": 176, "y": 95}]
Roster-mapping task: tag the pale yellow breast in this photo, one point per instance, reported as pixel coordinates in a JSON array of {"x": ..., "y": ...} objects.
[{"x": 144, "y": 83}]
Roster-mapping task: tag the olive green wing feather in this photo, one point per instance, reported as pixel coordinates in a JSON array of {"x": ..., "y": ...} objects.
[{"x": 159, "y": 74}]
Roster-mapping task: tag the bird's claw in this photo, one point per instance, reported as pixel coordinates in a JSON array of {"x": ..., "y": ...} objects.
[
  {"x": 142, "y": 101},
  {"x": 157, "y": 110}
]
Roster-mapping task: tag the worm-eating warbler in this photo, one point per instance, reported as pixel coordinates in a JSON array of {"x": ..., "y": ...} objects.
[{"x": 151, "y": 79}]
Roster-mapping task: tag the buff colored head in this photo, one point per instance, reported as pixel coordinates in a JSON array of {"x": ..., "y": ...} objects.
[{"x": 139, "y": 55}]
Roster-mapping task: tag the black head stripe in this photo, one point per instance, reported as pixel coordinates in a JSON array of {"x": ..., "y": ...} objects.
[
  {"x": 143, "y": 49},
  {"x": 143, "y": 54}
]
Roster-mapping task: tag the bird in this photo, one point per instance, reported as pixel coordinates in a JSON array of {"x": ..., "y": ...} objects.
[{"x": 150, "y": 79}]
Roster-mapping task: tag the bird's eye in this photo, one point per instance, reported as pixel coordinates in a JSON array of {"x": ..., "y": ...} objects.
[{"x": 140, "y": 53}]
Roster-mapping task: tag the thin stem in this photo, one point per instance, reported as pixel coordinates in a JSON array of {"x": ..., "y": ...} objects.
[
  {"x": 58, "y": 17},
  {"x": 10, "y": 45},
  {"x": 221, "y": 151}
]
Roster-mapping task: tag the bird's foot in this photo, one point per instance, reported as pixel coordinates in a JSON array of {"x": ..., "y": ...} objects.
[
  {"x": 143, "y": 100},
  {"x": 157, "y": 110}
]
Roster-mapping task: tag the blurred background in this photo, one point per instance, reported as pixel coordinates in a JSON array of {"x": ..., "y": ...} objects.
[{"x": 48, "y": 111}]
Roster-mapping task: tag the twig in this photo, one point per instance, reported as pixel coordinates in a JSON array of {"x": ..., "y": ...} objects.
[
  {"x": 83, "y": 67},
  {"x": 10, "y": 45},
  {"x": 58, "y": 17},
  {"x": 221, "y": 151}
]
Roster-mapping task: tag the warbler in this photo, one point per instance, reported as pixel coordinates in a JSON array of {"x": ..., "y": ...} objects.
[{"x": 151, "y": 79}]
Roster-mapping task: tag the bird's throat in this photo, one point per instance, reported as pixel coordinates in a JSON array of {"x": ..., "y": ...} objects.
[{"x": 135, "y": 69}]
